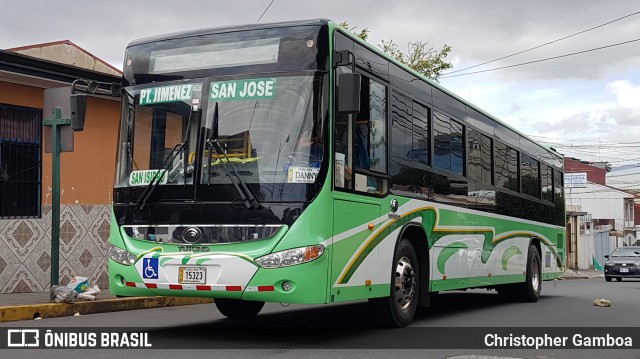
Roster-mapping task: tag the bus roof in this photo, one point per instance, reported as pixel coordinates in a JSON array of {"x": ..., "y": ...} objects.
[{"x": 225, "y": 29}]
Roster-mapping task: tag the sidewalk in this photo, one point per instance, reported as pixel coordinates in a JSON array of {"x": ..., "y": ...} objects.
[
  {"x": 582, "y": 274},
  {"x": 28, "y": 306}
]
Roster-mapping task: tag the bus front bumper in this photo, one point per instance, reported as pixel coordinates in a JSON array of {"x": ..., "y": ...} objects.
[{"x": 305, "y": 283}]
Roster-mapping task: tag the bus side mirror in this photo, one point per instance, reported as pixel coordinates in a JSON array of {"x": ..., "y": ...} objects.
[
  {"x": 78, "y": 107},
  {"x": 349, "y": 93}
]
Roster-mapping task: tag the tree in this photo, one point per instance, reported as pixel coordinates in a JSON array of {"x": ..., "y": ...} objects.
[
  {"x": 421, "y": 58},
  {"x": 363, "y": 34}
]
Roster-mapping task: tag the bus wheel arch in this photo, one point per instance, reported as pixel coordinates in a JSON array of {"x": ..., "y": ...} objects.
[{"x": 416, "y": 234}]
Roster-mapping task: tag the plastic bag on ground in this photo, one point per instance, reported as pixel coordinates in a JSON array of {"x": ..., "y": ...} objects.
[
  {"x": 79, "y": 284},
  {"x": 89, "y": 294},
  {"x": 64, "y": 294}
]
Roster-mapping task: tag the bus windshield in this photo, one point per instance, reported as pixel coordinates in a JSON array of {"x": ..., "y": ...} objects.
[
  {"x": 157, "y": 120},
  {"x": 265, "y": 131}
]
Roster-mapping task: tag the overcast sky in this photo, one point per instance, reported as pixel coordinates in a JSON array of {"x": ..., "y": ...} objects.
[{"x": 588, "y": 104}]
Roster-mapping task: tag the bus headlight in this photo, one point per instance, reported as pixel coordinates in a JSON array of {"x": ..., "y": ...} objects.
[
  {"x": 121, "y": 256},
  {"x": 291, "y": 257}
]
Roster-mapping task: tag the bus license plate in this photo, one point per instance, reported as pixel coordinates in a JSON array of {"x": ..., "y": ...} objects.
[
  {"x": 192, "y": 275},
  {"x": 624, "y": 270}
]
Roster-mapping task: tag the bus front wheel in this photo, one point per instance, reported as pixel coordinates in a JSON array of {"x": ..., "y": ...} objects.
[
  {"x": 238, "y": 309},
  {"x": 398, "y": 309}
]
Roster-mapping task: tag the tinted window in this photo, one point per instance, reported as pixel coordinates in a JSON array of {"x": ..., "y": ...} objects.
[
  {"x": 529, "y": 172},
  {"x": 421, "y": 144},
  {"x": 378, "y": 127},
  {"x": 448, "y": 150},
  {"x": 546, "y": 181},
  {"x": 557, "y": 185},
  {"x": 479, "y": 166},
  {"x": 401, "y": 126},
  {"x": 506, "y": 162},
  {"x": 448, "y": 104}
]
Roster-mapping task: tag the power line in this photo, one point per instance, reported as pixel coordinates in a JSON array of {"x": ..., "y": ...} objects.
[
  {"x": 265, "y": 10},
  {"x": 545, "y": 44},
  {"x": 542, "y": 60}
]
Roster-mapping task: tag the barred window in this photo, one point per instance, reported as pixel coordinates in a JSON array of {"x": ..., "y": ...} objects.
[{"x": 20, "y": 161}]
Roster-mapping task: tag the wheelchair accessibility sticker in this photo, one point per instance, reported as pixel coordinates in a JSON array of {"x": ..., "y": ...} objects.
[{"x": 150, "y": 268}]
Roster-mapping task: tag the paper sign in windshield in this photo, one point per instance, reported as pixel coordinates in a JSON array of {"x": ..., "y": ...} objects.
[
  {"x": 142, "y": 178},
  {"x": 243, "y": 89},
  {"x": 302, "y": 174}
]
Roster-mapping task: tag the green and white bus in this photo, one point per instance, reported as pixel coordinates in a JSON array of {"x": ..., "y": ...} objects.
[{"x": 295, "y": 163}]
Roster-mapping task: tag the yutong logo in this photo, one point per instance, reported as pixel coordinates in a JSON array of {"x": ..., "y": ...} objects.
[
  {"x": 394, "y": 208},
  {"x": 193, "y": 249},
  {"x": 32, "y": 338}
]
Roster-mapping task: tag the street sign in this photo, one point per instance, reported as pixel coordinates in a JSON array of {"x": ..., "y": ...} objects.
[
  {"x": 58, "y": 98},
  {"x": 629, "y": 239},
  {"x": 575, "y": 180}
]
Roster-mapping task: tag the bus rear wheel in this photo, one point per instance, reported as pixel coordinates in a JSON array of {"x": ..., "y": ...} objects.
[
  {"x": 238, "y": 309},
  {"x": 529, "y": 291},
  {"x": 398, "y": 309}
]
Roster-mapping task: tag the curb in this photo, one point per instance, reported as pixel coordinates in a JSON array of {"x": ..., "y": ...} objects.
[
  {"x": 55, "y": 310},
  {"x": 578, "y": 276}
]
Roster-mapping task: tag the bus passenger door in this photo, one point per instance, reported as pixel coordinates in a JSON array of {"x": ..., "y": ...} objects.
[
  {"x": 355, "y": 261},
  {"x": 360, "y": 184}
]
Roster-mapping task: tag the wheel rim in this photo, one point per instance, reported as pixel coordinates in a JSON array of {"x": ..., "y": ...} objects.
[
  {"x": 405, "y": 283},
  {"x": 535, "y": 274}
]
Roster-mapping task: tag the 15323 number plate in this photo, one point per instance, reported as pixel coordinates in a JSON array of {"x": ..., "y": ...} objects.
[{"x": 192, "y": 275}]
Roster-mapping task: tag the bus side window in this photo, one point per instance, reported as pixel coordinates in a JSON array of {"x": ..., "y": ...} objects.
[
  {"x": 369, "y": 138},
  {"x": 342, "y": 166},
  {"x": 362, "y": 146}
]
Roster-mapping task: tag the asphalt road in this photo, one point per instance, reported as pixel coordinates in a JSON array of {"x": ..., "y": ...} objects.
[{"x": 455, "y": 317}]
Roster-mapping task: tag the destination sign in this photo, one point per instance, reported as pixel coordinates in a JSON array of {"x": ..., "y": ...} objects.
[
  {"x": 141, "y": 178},
  {"x": 243, "y": 89},
  {"x": 163, "y": 94}
]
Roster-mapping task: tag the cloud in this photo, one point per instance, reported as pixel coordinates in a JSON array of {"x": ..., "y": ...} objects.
[
  {"x": 627, "y": 95},
  {"x": 514, "y": 110},
  {"x": 600, "y": 133}
]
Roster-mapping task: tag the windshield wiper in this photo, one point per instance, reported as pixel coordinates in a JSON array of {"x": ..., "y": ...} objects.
[
  {"x": 247, "y": 196},
  {"x": 157, "y": 178}
]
